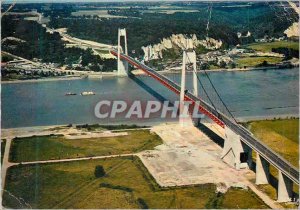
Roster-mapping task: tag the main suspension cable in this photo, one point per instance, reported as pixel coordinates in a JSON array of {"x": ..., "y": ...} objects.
[
  {"x": 222, "y": 101},
  {"x": 215, "y": 90}
]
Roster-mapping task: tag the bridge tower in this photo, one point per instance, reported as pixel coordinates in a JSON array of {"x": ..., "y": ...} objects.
[
  {"x": 122, "y": 65},
  {"x": 189, "y": 57},
  {"x": 193, "y": 60}
]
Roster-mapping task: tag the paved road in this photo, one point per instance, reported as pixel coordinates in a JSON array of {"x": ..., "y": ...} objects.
[{"x": 5, "y": 164}]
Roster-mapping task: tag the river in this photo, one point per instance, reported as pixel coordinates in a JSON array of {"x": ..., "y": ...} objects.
[{"x": 249, "y": 94}]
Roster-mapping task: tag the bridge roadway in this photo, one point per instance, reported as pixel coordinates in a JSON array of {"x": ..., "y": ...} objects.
[{"x": 246, "y": 136}]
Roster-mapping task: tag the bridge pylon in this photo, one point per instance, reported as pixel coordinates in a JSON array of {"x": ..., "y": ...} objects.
[
  {"x": 192, "y": 59},
  {"x": 184, "y": 116},
  {"x": 122, "y": 64},
  {"x": 189, "y": 58}
]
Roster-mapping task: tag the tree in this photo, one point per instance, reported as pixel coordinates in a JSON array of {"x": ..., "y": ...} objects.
[
  {"x": 264, "y": 63},
  {"x": 233, "y": 65},
  {"x": 99, "y": 171},
  {"x": 142, "y": 203},
  {"x": 223, "y": 64},
  {"x": 204, "y": 66}
]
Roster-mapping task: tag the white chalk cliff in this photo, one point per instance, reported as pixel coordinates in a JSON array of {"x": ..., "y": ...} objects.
[
  {"x": 178, "y": 41},
  {"x": 293, "y": 30}
]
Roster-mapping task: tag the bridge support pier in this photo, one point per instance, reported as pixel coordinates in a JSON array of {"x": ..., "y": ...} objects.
[
  {"x": 262, "y": 170},
  {"x": 285, "y": 188},
  {"x": 184, "y": 117},
  {"x": 235, "y": 152},
  {"x": 122, "y": 65}
]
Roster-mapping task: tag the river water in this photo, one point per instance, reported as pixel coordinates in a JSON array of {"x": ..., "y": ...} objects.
[{"x": 248, "y": 94}]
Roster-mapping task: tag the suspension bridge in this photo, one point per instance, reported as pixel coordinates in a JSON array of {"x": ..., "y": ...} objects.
[{"x": 238, "y": 142}]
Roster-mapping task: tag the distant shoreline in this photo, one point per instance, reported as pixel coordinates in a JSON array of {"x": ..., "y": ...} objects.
[
  {"x": 237, "y": 69},
  {"x": 40, "y": 80},
  {"x": 96, "y": 75}
]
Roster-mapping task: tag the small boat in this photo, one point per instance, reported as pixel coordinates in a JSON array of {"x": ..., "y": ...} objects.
[
  {"x": 87, "y": 93},
  {"x": 70, "y": 94}
]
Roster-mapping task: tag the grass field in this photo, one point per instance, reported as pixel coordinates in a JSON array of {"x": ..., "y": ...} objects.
[
  {"x": 212, "y": 67},
  {"x": 254, "y": 61},
  {"x": 99, "y": 13},
  {"x": 98, "y": 127},
  {"x": 103, "y": 51},
  {"x": 57, "y": 147},
  {"x": 271, "y": 190},
  {"x": 267, "y": 47},
  {"x": 3, "y": 143},
  {"x": 127, "y": 184},
  {"x": 281, "y": 135}
]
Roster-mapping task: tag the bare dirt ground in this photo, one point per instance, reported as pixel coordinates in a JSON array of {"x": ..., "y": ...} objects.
[{"x": 189, "y": 157}]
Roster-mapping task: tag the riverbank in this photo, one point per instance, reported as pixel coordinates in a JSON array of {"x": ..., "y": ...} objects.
[
  {"x": 234, "y": 69},
  {"x": 262, "y": 118},
  {"x": 137, "y": 72},
  {"x": 141, "y": 72},
  {"x": 32, "y": 129},
  {"x": 41, "y": 80}
]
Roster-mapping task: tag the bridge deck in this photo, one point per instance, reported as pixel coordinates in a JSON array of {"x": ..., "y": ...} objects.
[{"x": 246, "y": 136}]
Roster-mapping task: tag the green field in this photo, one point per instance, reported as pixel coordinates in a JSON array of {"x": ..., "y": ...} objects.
[
  {"x": 267, "y": 47},
  {"x": 254, "y": 61},
  {"x": 213, "y": 67},
  {"x": 127, "y": 184},
  {"x": 98, "y": 127},
  {"x": 99, "y": 13},
  {"x": 103, "y": 51},
  {"x": 271, "y": 191},
  {"x": 281, "y": 135},
  {"x": 3, "y": 143},
  {"x": 57, "y": 147}
]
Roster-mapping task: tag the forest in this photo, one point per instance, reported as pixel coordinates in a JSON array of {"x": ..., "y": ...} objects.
[
  {"x": 35, "y": 42},
  {"x": 222, "y": 21},
  {"x": 146, "y": 28}
]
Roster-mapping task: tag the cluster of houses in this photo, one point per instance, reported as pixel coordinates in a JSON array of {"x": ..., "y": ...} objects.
[
  {"x": 270, "y": 39},
  {"x": 225, "y": 59},
  {"x": 28, "y": 65},
  {"x": 28, "y": 68}
]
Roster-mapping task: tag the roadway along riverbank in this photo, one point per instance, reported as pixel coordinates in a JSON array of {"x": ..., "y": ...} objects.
[{"x": 100, "y": 75}]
